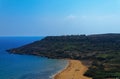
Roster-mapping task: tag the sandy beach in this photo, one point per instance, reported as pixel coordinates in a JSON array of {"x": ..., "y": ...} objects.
[{"x": 74, "y": 70}]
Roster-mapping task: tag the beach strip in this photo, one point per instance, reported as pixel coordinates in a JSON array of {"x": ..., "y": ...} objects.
[{"x": 75, "y": 70}]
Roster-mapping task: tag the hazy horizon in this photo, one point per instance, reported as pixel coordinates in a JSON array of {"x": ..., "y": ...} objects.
[{"x": 58, "y": 17}]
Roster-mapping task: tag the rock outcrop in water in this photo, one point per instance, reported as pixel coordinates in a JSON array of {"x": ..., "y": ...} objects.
[{"x": 103, "y": 50}]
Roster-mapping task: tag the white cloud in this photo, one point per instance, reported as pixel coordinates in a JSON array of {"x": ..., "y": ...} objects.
[
  {"x": 71, "y": 17},
  {"x": 98, "y": 17}
]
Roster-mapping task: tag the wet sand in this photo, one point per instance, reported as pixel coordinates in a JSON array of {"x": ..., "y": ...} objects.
[{"x": 74, "y": 70}]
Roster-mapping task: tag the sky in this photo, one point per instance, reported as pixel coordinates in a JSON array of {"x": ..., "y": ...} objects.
[{"x": 58, "y": 17}]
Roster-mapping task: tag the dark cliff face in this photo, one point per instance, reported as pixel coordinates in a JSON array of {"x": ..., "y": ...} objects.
[{"x": 74, "y": 46}]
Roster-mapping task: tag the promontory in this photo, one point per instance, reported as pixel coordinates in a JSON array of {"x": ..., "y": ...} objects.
[{"x": 100, "y": 52}]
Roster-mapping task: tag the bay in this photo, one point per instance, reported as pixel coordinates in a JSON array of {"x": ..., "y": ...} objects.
[{"x": 14, "y": 66}]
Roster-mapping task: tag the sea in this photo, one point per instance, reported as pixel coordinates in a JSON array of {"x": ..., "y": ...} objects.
[{"x": 14, "y": 66}]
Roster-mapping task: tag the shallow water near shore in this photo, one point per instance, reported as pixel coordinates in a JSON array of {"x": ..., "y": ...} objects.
[{"x": 13, "y": 66}]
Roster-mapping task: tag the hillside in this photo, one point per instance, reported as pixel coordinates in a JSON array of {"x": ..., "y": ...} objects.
[{"x": 103, "y": 50}]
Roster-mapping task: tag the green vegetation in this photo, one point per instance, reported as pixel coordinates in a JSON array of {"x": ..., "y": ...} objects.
[{"x": 102, "y": 50}]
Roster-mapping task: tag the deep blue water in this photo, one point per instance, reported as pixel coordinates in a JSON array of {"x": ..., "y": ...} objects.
[{"x": 14, "y": 66}]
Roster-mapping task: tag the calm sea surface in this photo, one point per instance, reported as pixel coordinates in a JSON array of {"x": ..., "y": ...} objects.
[{"x": 13, "y": 66}]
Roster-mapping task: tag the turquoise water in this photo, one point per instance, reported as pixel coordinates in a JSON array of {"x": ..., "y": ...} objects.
[{"x": 13, "y": 66}]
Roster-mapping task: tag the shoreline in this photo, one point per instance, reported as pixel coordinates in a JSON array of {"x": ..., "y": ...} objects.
[
  {"x": 52, "y": 76},
  {"x": 74, "y": 70},
  {"x": 60, "y": 71}
]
